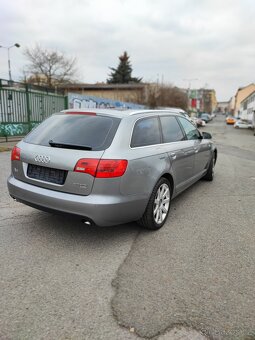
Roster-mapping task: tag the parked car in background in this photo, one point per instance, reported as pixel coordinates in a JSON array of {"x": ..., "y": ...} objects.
[
  {"x": 175, "y": 110},
  {"x": 198, "y": 122},
  {"x": 239, "y": 124},
  {"x": 205, "y": 117},
  {"x": 230, "y": 120},
  {"x": 110, "y": 167},
  {"x": 194, "y": 121},
  {"x": 184, "y": 114}
]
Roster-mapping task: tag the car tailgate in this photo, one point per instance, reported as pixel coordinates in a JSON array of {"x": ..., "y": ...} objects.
[{"x": 53, "y": 168}]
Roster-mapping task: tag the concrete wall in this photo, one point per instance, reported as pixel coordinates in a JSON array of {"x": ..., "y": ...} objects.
[{"x": 77, "y": 101}]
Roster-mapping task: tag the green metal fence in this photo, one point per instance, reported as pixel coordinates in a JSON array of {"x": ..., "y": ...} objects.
[{"x": 22, "y": 108}]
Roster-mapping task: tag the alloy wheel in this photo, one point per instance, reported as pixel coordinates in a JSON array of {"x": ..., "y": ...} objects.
[{"x": 161, "y": 203}]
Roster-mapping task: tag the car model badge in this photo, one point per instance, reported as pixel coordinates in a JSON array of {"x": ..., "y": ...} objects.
[{"x": 42, "y": 159}]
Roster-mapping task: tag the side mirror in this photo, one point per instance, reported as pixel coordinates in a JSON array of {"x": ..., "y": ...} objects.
[{"x": 206, "y": 135}]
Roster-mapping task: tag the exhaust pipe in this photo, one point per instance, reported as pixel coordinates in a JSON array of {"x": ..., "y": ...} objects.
[{"x": 86, "y": 222}]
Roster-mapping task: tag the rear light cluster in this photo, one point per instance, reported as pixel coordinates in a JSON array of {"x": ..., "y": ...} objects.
[
  {"x": 15, "y": 156},
  {"x": 102, "y": 168}
]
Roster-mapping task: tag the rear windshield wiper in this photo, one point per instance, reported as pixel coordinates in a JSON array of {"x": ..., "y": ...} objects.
[{"x": 69, "y": 146}]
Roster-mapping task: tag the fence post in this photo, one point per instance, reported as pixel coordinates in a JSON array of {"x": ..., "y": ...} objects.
[
  {"x": 66, "y": 103},
  {"x": 28, "y": 108}
]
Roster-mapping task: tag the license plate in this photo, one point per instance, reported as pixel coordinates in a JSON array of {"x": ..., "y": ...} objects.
[{"x": 45, "y": 174}]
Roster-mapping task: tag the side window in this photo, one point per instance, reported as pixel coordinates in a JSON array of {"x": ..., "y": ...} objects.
[
  {"x": 146, "y": 132},
  {"x": 189, "y": 128},
  {"x": 171, "y": 130}
]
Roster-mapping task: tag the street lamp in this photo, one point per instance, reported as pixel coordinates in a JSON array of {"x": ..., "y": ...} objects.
[{"x": 9, "y": 60}]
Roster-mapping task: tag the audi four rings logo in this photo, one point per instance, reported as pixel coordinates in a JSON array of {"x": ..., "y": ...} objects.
[{"x": 42, "y": 159}]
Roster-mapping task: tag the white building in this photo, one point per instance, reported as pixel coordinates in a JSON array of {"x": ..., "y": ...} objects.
[
  {"x": 231, "y": 106},
  {"x": 247, "y": 108}
]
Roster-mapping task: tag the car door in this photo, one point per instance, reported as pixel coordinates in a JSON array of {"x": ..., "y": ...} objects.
[
  {"x": 180, "y": 151},
  {"x": 201, "y": 147},
  {"x": 147, "y": 160}
]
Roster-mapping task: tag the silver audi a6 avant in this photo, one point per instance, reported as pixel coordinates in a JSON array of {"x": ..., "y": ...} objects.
[{"x": 110, "y": 167}]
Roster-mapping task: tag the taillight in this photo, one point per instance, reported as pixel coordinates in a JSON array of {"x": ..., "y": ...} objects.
[
  {"x": 111, "y": 168},
  {"x": 87, "y": 166},
  {"x": 104, "y": 168},
  {"x": 15, "y": 154}
]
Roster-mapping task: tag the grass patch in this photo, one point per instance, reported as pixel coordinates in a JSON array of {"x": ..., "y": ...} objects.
[{"x": 4, "y": 148}]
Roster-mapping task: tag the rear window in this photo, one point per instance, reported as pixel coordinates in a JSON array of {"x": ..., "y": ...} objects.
[{"x": 95, "y": 132}]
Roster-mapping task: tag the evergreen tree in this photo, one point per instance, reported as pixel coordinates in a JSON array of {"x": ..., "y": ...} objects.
[{"x": 122, "y": 74}]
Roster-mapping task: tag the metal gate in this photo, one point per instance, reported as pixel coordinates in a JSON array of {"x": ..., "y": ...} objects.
[{"x": 23, "y": 108}]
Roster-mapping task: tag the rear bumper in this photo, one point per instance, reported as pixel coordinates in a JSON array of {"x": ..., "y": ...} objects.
[{"x": 103, "y": 210}]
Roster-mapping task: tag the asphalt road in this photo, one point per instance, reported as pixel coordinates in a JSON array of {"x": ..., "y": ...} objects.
[{"x": 193, "y": 279}]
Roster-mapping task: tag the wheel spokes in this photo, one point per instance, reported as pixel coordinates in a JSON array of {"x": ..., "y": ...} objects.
[{"x": 161, "y": 203}]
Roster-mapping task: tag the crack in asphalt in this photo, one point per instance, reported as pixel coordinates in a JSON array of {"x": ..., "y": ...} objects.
[
  {"x": 115, "y": 283},
  {"x": 196, "y": 272}
]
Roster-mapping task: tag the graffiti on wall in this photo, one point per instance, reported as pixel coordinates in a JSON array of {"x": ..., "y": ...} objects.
[
  {"x": 19, "y": 129},
  {"x": 78, "y": 101},
  {"x": 20, "y": 107}
]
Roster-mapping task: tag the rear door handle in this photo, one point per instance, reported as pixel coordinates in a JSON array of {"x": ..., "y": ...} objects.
[
  {"x": 189, "y": 152},
  {"x": 196, "y": 150},
  {"x": 173, "y": 155}
]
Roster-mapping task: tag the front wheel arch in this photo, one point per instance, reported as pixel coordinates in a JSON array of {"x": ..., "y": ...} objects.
[
  {"x": 170, "y": 179},
  {"x": 210, "y": 171},
  {"x": 150, "y": 219},
  {"x": 215, "y": 152}
]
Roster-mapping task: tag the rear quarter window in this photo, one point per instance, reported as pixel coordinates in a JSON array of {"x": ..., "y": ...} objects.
[
  {"x": 146, "y": 132},
  {"x": 96, "y": 132}
]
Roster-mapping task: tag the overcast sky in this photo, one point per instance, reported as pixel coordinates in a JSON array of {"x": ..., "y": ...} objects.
[{"x": 204, "y": 43}]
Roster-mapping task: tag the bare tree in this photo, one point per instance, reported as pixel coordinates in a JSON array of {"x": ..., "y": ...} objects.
[
  {"x": 48, "y": 68},
  {"x": 173, "y": 97},
  {"x": 166, "y": 96}
]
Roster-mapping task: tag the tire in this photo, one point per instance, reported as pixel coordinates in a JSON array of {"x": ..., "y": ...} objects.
[
  {"x": 158, "y": 206},
  {"x": 210, "y": 172}
]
